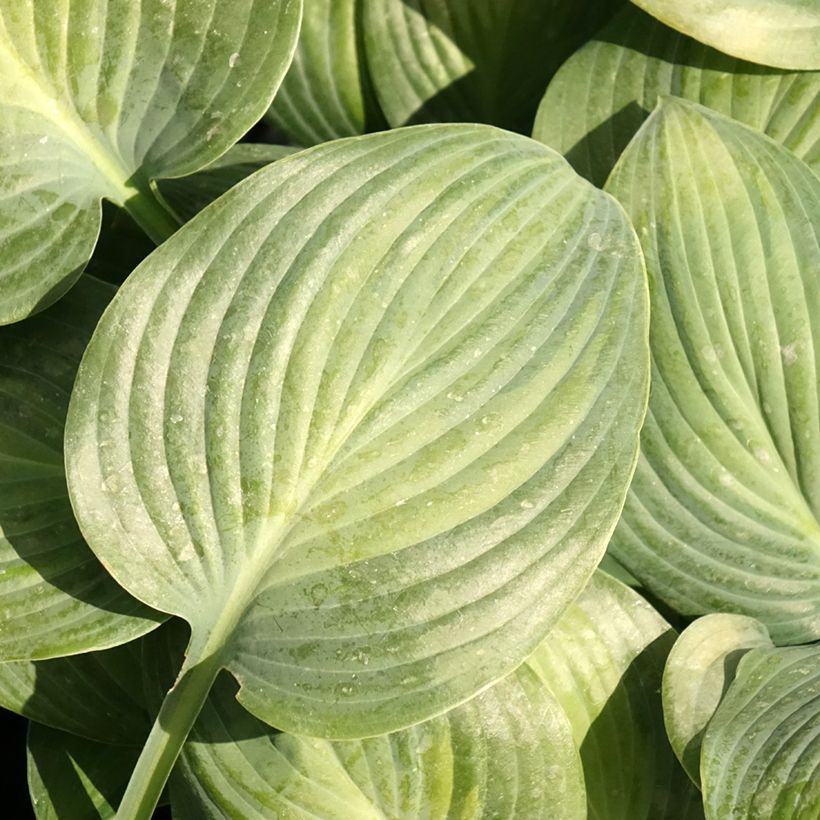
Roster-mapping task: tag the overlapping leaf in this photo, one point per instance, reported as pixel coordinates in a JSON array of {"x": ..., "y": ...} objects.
[
  {"x": 506, "y": 753},
  {"x": 471, "y": 60},
  {"x": 761, "y": 752},
  {"x": 189, "y": 195},
  {"x": 327, "y": 93},
  {"x": 55, "y": 598},
  {"x": 603, "y": 93},
  {"x": 722, "y": 513},
  {"x": 99, "y": 98},
  {"x": 96, "y": 695},
  {"x": 71, "y": 777},
  {"x": 603, "y": 661},
  {"x": 784, "y": 33},
  {"x": 371, "y": 417},
  {"x": 700, "y": 668}
]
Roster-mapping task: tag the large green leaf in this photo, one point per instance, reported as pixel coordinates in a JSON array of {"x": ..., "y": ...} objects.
[
  {"x": 71, "y": 778},
  {"x": 369, "y": 420},
  {"x": 761, "y": 752},
  {"x": 327, "y": 93},
  {"x": 603, "y": 661},
  {"x": 506, "y": 753},
  {"x": 603, "y": 93},
  {"x": 698, "y": 672},
  {"x": 472, "y": 60},
  {"x": 97, "y": 695},
  {"x": 55, "y": 598},
  {"x": 783, "y": 33},
  {"x": 722, "y": 513},
  {"x": 98, "y": 98}
]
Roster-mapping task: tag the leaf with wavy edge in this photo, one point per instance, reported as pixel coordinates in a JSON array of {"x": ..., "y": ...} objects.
[
  {"x": 369, "y": 419},
  {"x": 761, "y": 756},
  {"x": 698, "y": 672},
  {"x": 604, "y": 92},
  {"x": 71, "y": 777},
  {"x": 603, "y": 661},
  {"x": 722, "y": 512},
  {"x": 97, "y": 695},
  {"x": 471, "y": 60},
  {"x": 782, "y": 33},
  {"x": 189, "y": 195},
  {"x": 97, "y": 99},
  {"x": 327, "y": 93},
  {"x": 55, "y": 598}
]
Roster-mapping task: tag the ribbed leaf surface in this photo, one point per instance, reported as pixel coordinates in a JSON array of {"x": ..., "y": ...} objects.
[
  {"x": 603, "y": 661},
  {"x": 369, "y": 418},
  {"x": 784, "y": 33},
  {"x": 99, "y": 97},
  {"x": 761, "y": 752},
  {"x": 327, "y": 93},
  {"x": 55, "y": 598},
  {"x": 603, "y": 93},
  {"x": 699, "y": 670},
  {"x": 471, "y": 60},
  {"x": 506, "y": 753},
  {"x": 722, "y": 514},
  {"x": 97, "y": 695}
]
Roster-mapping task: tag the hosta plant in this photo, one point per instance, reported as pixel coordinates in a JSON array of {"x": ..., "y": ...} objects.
[{"x": 323, "y": 449}]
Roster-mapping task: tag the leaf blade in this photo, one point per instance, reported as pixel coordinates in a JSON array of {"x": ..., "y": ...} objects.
[{"x": 370, "y": 371}]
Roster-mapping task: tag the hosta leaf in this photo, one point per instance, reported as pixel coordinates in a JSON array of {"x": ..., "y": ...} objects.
[
  {"x": 189, "y": 195},
  {"x": 603, "y": 661},
  {"x": 506, "y": 753},
  {"x": 722, "y": 513},
  {"x": 71, "y": 777},
  {"x": 761, "y": 753},
  {"x": 327, "y": 92},
  {"x": 369, "y": 419},
  {"x": 784, "y": 33},
  {"x": 97, "y": 695},
  {"x": 603, "y": 93},
  {"x": 99, "y": 98},
  {"x": 471, "y": 60},
  {"x": 698, "y": 672},
  {"x": 55, "y": 598}
]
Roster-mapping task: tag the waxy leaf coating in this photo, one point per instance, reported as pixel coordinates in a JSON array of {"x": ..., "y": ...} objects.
[
  {"x": 101, "y": 97},
  {"x": 367, "y": 421},
  {"x": 723, "y": 512},
  {"x": 601, "y": 96},
  {"x": 699, "y": 670},
  {"x": 761, "y": 751}
]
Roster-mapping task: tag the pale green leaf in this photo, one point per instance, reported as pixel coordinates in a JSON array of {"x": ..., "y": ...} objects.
[
  {"x": 761, "y": 752},
  {"x": 189, "y": 195},
  {"x": 783, "y": 33},
  {"x": 55, "y": 598},
  {"x": 506, "y": 753},
  {"x": 603, "y": 661},
  {"x": 603, "y": 93},
  {"x": 698, "y": 672},
  {"x": 327, "y": 93},
  {"x": 472, "y": 60},
  {"x": 722, "y": 513},
  {"x": 71, "y": 778},
  {"x": 97, "y": 695},
  {"x": 99, "y": 98},
  {"x": 369, "y": 420}
]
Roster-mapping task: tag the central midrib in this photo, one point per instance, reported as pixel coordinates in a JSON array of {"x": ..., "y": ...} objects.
[{"x": 59, "y": 110}]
